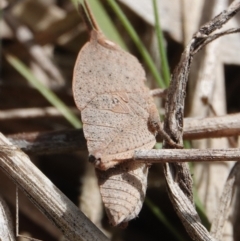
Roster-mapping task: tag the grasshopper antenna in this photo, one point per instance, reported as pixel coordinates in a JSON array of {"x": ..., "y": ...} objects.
[
  {"x": 95, "y": 25},
  {"x": 87, "y": 16}
]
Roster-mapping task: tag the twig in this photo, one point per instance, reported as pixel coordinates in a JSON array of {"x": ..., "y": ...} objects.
[
  {"x": 26, "y": 113},
  {"x": 177, "y": 89},
  {"x": 41, "y": 191},
  {"x": 211, "y": 127},
  {"x": 177, "y": 175},
  {"x": 73, "y": 140},
  {"x": 50, "y": 142},
  {"x": 187, "y": 155}
]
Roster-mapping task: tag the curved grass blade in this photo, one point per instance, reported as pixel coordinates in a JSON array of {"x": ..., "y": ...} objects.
[
  {"x": 162, "y": 49},
  {"x": 48, "y": 94},
  {"x": 146, "y": 56},
  {"x": 160, "y": 215}
]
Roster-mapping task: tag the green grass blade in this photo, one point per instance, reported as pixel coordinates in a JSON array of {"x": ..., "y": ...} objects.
[
  {"x": 76, "y": 2},
  {"x": 160, "y": 215},
  {"x": 132, "y": 33},
  {"x": 48, "y": 94},
  {"x": 162, "y": 49}
]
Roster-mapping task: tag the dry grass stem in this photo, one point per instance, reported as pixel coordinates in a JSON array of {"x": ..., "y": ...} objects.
[
  {"x": 26, "y": 113},
  {"x": 6, "y": 227},
  {"x": 225, "y": 203},
  {"x": 48, "y": 198}
]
